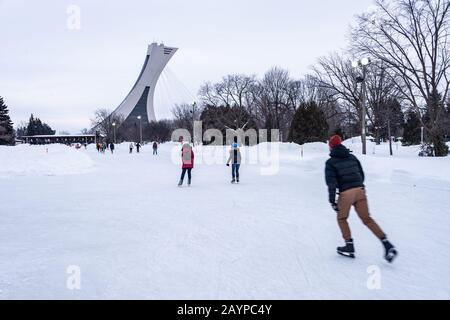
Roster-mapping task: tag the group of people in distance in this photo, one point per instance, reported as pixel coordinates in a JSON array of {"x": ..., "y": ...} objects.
[
  {"x": 102, "y": 146},
  {"x": 138, "y": 147}
]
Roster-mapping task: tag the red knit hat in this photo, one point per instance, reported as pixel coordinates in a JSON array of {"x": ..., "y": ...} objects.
[{"x": 335, "y": 141}]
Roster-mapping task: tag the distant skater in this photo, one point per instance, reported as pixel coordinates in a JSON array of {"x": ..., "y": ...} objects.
[
  {"x": 345, "y": 173},
  {"x": 235, "y": 160},
  {"x": 138, "y": 147},
  {"x": 155, "y": 148},
  {"x": 112, "y": 147},
  {"x": 131, "y": 147},
  {"x": 187, "y": 157}
]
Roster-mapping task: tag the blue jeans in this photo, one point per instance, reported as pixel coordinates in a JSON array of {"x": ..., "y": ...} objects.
[
  {"x": 183, "y": 174},
  {"x": 235, "y": 170}
]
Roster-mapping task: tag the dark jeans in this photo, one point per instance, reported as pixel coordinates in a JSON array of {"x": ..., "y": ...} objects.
[
  {"x": 183, "y": 173},
  {"x": 235, "y": 170},
  {"x": 155, "y": 152}
]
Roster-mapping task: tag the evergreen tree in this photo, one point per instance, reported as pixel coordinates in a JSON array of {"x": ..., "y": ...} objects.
[
  {"x": 412, "y": 129},
  {"x": 6, "y": 125},
  {"x": 36, "y": 127},
  {"x": 308, "y": 125}
]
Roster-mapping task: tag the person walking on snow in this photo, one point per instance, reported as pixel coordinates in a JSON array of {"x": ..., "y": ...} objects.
[
  {"x": 235, "y": 160},
  {"x": 138, "y": 147},
  {"x": 111, "y": 147},
  {"x": 187, "y": 158},
  {"x": 131, "y": 147},
  {"x": 155, "y": 148},
  {"x": 344, "y": 172}
]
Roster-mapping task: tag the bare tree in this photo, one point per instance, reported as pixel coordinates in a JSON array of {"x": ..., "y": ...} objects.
[
  {"x": 336, "y": 75},
  {"x": 412, "y": 38},
  {"x": 337, "y": 86},
  {"x": 185, "y": 115},
  {"x": 324, "y": 97},
  {"x": 381, "y": 91},
  {"x": 273, "y": 101},
  {"x": 103, "y": 122},
  {"x": 232, "y": 90}
]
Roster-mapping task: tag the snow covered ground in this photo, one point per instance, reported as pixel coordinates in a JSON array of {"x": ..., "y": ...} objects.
[
  {"x": 26, "y": 160},
  {"x": 135, "y": 235}
]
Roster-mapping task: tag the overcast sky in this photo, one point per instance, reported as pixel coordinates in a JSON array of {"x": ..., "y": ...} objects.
[{"x": 63, "y": 74}]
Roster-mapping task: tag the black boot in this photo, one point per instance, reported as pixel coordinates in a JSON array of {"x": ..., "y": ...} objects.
[
  {"x": 390, "y": 251},
  {"x": 348, "y": 250},
  {"x": 189, "y": 182},
  {"x": 180, "y": 183}
]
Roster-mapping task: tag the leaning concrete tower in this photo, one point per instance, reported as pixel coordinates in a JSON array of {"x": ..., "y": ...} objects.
[{"x": 139, "y": 103}]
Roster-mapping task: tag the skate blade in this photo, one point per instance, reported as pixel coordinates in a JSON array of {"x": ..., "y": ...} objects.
[
  {"x": 347, "y": 255},
  {"x": 391, "y": 256}
]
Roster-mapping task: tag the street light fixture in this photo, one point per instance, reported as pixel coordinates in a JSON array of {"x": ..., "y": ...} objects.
[
  {"x": 194, "y": 107},
  {"x": 363, "y": 63}
]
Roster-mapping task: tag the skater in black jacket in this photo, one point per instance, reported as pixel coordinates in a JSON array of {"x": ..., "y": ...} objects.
[
  {"x": 138, "y": 147},
  {"x": 344, "y": 172}
]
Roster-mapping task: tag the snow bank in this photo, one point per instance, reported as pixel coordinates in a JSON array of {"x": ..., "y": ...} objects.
[
  {"x": 54, "y": 160},
  {"x": 405, "y": 166}
]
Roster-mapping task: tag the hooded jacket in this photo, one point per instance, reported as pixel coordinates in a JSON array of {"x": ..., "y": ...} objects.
[{"x": 343, "y": 171}]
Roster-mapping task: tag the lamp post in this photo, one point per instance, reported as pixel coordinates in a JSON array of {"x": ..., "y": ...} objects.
[
  {"x": 114, "y": 128},
  {"x": 363, "y": 63},
  {"x": 140, "y": 129},
  {"x": 194, "y": 107}
]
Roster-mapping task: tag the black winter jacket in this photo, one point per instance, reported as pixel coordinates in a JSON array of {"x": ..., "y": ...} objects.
[{"x": 343, "y": 171}]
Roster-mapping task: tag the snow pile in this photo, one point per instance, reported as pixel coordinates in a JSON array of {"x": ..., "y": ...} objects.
[
  {"x": 55, "y": 160},
  {"x": 405, "y": 166}
]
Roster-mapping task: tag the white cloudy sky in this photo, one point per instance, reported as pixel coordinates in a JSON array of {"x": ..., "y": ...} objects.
[{"x": 63, "y": 75}]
